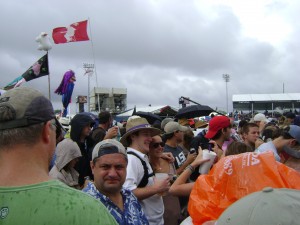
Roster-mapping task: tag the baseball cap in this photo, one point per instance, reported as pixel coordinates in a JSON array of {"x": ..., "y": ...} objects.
[
  {"x": 294, "y": 131},
  {"x": 109, "y": 146},
  {"x": 172, "y": 126},
  {"x": 290, "y": 115},
  {"x": 215, "y": 124},
  {"x": 269, "y": 206},
  {"x": 260, "y": 117},
  {"x": 64, "y": 121},
  {"x": 165, "y": 121},
  {"x": 22, "y": 107}
]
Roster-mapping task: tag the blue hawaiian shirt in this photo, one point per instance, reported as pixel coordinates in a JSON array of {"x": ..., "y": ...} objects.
[{"x": 133, "y": 213}]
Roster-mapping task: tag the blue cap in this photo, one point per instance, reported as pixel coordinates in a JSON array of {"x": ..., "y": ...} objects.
[{"x": 295, "y": 132}]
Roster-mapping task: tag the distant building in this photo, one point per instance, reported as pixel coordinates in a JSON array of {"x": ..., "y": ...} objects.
[
  {"x": 108, "y": 99},
  {"x": 266, "y": 102}
]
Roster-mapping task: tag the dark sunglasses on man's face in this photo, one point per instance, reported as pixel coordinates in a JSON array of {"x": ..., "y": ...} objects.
[{"x": 155, "y": 145}]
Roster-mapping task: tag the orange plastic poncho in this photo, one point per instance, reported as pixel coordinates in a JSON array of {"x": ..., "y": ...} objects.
[{"x": 234, "y": 177}]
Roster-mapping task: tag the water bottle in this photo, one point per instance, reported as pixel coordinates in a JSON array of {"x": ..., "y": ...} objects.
[{"x": 118, "y": 137}]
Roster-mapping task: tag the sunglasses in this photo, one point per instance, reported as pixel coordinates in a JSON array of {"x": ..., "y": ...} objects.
[
  {"x": 58, "y": 127},
  {"x": 155, "y": 145},
  {"x": 53, "y": 123}
]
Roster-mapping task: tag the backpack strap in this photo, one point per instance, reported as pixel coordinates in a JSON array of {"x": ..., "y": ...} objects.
[{"x": 144, "y": 180}]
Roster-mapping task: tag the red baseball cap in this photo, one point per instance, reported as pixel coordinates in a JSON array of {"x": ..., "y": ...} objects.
[{"x": 215, "y": 124}]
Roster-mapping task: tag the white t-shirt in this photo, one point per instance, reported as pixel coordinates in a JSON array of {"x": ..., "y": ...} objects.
[
  {"x": 269, "y": 146},
  {"x": 152, "y": 206}
]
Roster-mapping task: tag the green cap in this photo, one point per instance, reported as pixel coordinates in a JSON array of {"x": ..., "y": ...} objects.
[
  {"x": 22, "y": 107},
  {"x": 267, "y": 207}
]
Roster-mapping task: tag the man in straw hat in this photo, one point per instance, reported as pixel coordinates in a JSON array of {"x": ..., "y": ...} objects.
[{"x": 140, "y": 178}]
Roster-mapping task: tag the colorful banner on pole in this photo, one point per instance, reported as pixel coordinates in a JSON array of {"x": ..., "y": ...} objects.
[{"x": 38, "y": 69}]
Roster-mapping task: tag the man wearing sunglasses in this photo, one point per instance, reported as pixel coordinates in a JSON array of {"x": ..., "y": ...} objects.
[{"x": 27, "y": 143}]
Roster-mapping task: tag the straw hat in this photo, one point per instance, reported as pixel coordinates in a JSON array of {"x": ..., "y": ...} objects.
[
  {"x": 135, "y": 125},
  {"x": 201, "y": 124},
  {"x": 183, "y": 122}
]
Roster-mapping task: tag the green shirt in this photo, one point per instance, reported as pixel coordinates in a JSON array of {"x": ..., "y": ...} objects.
[{"x": 49, "y": 203}]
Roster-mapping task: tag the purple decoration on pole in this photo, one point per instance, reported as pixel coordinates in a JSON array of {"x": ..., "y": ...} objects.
[
  {"x": 62, "y": 88},
  {"x": 66, "y": 89}
]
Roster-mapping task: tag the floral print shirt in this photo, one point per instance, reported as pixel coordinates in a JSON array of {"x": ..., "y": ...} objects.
[{"x": 132, "y": 214}]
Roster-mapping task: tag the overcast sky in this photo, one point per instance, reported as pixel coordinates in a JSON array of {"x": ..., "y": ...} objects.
[{"x": 161, "y": 49}]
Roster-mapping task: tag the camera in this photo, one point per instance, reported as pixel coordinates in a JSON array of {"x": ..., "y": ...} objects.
[
  {"x": 192, "y": 151},
  {"x": 174, "y": 177},
  {"x": 204, "y": 145}
]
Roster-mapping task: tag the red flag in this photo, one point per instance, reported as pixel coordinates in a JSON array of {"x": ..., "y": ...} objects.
[{"x": 74, "y": 32}]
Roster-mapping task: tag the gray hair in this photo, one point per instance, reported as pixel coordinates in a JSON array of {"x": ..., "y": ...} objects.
[{"x": 29, "y": 135}]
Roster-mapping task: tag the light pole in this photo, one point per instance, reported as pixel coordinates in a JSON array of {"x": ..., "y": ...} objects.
[
  {"x": 89, "y": 69},
  {"x": 226, "y": 78}
]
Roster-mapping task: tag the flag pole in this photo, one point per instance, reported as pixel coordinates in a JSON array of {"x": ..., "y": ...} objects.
[
  {"x": 95, "y": 66},
  {"x": 48, "y": 79},
  {"x": 49, "y": 87},
  {"x": 93, "y": 52}
]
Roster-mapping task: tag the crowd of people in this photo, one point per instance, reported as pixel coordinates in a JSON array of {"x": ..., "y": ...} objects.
[{"x": 138, "y": 173}]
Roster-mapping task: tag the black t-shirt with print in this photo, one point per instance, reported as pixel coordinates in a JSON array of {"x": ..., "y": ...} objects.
[{"x": 177, "y": 153}]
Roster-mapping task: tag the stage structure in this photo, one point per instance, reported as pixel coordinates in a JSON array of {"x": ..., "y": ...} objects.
[{"x": 108, "y": 99}]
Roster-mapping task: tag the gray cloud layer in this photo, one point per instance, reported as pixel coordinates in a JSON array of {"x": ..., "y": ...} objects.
[{"x": 158, "y": 50}]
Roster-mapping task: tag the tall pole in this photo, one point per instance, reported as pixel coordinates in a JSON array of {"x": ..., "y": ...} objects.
[
  {"x": 89, "y": 90},
  {"x": 94, "y": 61},
  {"x": 88, "y": 67},
  {"x": 48, "y": 79},
  {"x": 226, "y": 78}
]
